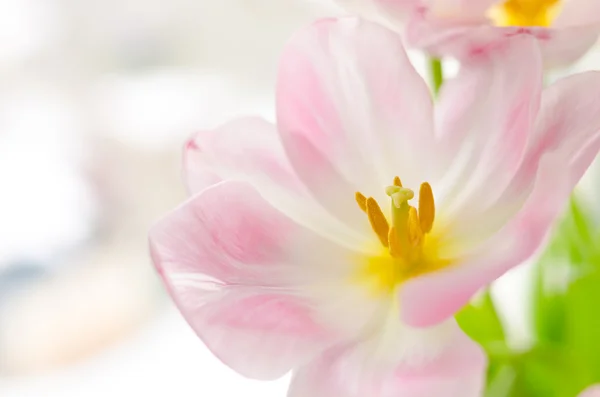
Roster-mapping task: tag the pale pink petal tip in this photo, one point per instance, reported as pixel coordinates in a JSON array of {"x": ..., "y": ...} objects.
[
  {"x": 243, "y": 149},
  {"x": 459, "y": 371},
  {"x": 593, "y": 391},
  {"x": 223, "y": 259}
]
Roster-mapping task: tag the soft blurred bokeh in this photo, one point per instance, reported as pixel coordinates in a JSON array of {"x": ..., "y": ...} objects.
[{"x": 96, "y": 98}]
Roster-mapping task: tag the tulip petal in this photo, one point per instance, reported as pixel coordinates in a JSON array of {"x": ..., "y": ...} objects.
[
  {"x": 484, "y": 117},
  {"x": 565, "y": 142},
  {"x": 457, "y": 11},
  {"x": 463, "y": 10},
  {"x": 563, "y": 46},
  {"x": 457, "y": 371},
  {"x": 246, "y": 148},
  {"x": 445, "y": 37},
  {"x": 226, "y": 257},
  {"x": 249, "y": 149},
  {"x": 435, "y": 297},
  {"x": 242, "y": 276},
  {"x": 352, "y": 115},
  {"x": 395, "y": 13},
  {"x": 577, "y": 13},
  {"x": 569, "y": 124}
]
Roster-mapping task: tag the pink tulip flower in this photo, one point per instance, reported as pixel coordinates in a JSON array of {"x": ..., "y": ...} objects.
[
  {"x": 565, "y": 29},
  {"x": 340, "y": 242}
]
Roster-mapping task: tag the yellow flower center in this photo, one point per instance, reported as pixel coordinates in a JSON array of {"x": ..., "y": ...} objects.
[
  {"x": 408, "y": 249},
  {"x": 525, "y": 13}
]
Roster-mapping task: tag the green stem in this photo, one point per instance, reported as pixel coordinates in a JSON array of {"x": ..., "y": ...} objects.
[{"x": 436, "y": 73}]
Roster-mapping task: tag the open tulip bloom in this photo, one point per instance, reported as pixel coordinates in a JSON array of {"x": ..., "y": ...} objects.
[
  {"x": 340, "y": 242},
  {"x": 566, "y": 29}
]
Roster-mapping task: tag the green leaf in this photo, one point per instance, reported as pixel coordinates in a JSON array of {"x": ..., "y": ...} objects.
[
  {"x": 480, "y": 321},
  {"x": 566, "y": 309},
  {"x": 549, "y": 313},
  {"x": 583, "y": 324},
  {"x": 571, "y": 247},
  {"x": 566, "y": 303},
  {"x": 545, "y": 372},
  {"x": 501, "y": 381},
  {"x": 540, "y": 372}
]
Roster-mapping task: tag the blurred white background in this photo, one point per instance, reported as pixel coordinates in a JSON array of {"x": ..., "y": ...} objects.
[{"x": 96, "y": 98}]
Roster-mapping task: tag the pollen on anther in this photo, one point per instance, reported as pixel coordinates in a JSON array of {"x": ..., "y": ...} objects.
[
  {"x": 397, "y": 181},
  {"x": 361, "y": 200},
  {"x": 378, "y": 221},
  {"x": 426, "y": 207},
  {"x": 394, "y": 243},
  {"x": 415, "y": 234}
]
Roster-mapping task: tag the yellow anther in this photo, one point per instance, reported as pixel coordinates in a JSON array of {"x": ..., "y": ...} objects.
[
  {"x": 415, "y": 234},
  {"x": 407, "y": 252},
  {"x": 394, "y": 243},
  {"x": 377, "y": 219},
  {"x": 406, "y": 228},
  {"x": 361, "y": 200},
  {"x": 525, "y": 12},
  {"x": 426, "y": 207}
]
